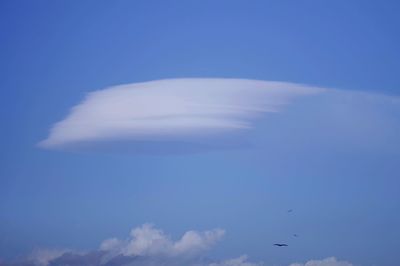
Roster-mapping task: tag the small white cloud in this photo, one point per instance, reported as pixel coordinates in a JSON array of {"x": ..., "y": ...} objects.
[
  {"x": 170, "y": 110},
  {"x": 42, "y": 257},
  {"x": 111, "y": 244},
  {"x": 240, "y": 261},
  {"x": 332, "y": 261},
  {"x": 147, "y": 240},
  {"x": 193, "y": 241}
]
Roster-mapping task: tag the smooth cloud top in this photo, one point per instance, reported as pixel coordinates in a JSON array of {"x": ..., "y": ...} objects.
[{"x": 171, "y": 109}]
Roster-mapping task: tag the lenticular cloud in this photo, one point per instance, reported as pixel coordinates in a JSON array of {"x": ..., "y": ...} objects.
[{"x": 171, "y": 110}]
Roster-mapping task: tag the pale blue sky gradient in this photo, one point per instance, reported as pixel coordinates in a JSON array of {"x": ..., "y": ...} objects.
[{"x": 336, "y": 170}]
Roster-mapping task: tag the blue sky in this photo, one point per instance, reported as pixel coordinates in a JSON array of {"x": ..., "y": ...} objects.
[{"x": 331, "y": 158}]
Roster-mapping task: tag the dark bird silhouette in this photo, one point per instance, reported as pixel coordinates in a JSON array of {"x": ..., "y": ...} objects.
[
  {"x": 290, "y": 210},
  {"x": 280, "y": 245},
  {"x": 295, "y": 235}
]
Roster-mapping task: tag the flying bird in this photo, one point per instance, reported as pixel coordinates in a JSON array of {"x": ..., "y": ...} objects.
[
  {"x": 290, "y": 210},
  {"x": 295, "y": 235},
  {"x": 280, "y": 245}
]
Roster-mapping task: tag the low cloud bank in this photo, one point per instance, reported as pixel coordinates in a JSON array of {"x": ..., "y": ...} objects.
[{"x": 149, "y": 246}]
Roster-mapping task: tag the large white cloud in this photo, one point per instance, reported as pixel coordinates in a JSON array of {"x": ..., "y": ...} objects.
[{"x": 171, "y": 110}]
